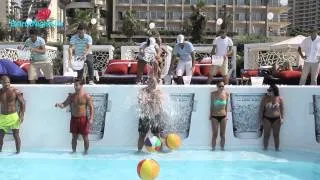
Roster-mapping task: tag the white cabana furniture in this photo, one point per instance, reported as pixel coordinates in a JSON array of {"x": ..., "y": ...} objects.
[{"x": 266, "y": 54}]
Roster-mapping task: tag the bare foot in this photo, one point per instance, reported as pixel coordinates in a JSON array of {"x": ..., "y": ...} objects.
[{"x": 73, "y": 152}]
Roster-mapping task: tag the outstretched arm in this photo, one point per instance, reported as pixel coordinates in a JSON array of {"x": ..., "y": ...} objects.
[
  {"x": 65, "y": 103},
  {"x": 91, "y": 108}
]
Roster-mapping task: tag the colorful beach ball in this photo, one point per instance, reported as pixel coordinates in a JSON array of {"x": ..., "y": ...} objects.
[
  {"x": 173, "y": 141},
  {"x": 152, "y": 144},
  {"x": 148, "y": 169}
]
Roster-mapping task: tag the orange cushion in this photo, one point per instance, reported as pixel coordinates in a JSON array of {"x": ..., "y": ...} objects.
[
  {"x": 197, "y": 71},
  {"x": 117, "y": 60},
  {"x": 23, "y": 64},
  {"x": 134, "y": 68},
  {"x": 289, "y": 74},
  {"x": 117, "y": 68},
  {"x": 250, "y": 73},
  {"x": 205, "y": 70}
]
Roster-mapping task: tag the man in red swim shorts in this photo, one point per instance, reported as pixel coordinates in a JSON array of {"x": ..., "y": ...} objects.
[{"x": 79, "y": 124}]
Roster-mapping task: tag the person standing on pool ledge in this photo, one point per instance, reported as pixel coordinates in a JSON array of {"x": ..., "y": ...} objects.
[
  {"x": 79, "y": 124},
  {"x": 9, "y": 118},
  {"x": 219, "y": 114}
]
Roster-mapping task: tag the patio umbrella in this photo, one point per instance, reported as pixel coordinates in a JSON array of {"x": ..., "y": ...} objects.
[{"x": 289, "y": 43}]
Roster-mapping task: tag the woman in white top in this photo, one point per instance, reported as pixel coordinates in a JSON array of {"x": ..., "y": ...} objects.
[{"x": 149, "y": 53}]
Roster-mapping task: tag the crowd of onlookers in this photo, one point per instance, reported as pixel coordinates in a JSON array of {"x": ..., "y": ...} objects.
[{"x": 154, "y": 52}]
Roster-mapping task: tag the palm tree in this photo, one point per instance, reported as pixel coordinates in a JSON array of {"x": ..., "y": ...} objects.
[
  {"x": 198, "y": 20},
  {"x": 83, "y": 16},
  {"x": 131, "y": 24}
]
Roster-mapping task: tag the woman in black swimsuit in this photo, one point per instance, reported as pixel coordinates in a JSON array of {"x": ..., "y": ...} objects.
[{"x": 272, "y": 106}]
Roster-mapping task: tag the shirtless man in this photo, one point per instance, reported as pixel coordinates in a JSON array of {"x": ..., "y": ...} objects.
[
  {"x": 79, "y": 124},
  {"x": 150, "y": 103},
  {"x": 9, "y": 117}
]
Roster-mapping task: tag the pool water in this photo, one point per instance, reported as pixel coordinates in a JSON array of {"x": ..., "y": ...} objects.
[{"x": 183, "y": 164}]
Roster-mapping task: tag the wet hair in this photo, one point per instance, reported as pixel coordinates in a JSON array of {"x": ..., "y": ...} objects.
[
  {"x": 275, "y": 89},
  {"x": 81, "y": 26},
  {"x": 148, "y": 42},
  {"x": 33, "y": 31},
  {"x": 5, "y": 77},
  {"x": 220, "y": 82},
  {"x": 80, "y": 81}
]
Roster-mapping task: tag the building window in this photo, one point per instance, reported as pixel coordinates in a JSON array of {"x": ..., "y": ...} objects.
[
  {"x": 174, "y": 27},
  {"x": 256, "y": 2},
  {"x": 157, "y": 15},
  {"x": 256, "y": 17},
  {"x": 124, "y": 2},
  {"x": 240, "y": 17},
  {"x": 211, "y": 2},
  {"x": 157, "y": 1},
  {"x": 120, "y": 15},
  {"x": 174, "y": 1},
  {"x": 142, "y": 15},
  {"x": 227, "y": 2},
  {"x": 241, "y": 30},
  {"x": 174, "y": 15},
  {"x": 211, "y": 15},
  {"x": 187, "y": 14},
  {"x": 140, "y": 1},
  {"x": 242, "y": 2}
]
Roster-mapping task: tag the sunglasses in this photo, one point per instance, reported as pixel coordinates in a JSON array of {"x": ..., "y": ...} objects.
[{"x": 220, "y": 86}]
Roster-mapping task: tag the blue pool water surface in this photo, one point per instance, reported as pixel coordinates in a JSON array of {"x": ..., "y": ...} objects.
[{"x": 183, "y": 164}]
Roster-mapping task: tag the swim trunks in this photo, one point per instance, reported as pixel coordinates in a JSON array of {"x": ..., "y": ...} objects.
[
  {"x": 146, "y": 123},
  {"x": 79, "y": 125},
  {"x": 9, "y": 121}
]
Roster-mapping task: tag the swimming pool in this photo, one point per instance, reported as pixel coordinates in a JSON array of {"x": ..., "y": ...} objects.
[{"x": 184, "y": 164}]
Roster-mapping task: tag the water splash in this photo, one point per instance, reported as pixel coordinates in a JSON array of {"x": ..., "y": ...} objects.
[{"x": 172, "y": 112}]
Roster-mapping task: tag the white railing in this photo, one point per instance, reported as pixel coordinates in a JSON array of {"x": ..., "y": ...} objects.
[
  {"x": 261, "y": 54},
  {"x": 10, "y": 51},
  {"x": 130, "y": 53}
]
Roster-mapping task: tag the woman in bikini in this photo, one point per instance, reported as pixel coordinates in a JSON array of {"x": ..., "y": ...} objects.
[
  {"x": 272, "y": 106},
  {"x": 218, "y": 114}
]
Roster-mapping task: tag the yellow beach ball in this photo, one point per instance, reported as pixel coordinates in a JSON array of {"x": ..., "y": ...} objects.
[
  {"x": 173, "y": 141},
  {"x": 148, "y": 169}
]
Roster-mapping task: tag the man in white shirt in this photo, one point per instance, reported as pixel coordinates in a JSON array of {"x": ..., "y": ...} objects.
[
  {"x": 222, "y": 47},
  {"x": 185, "y": 51},
  {"x": 311, "y": 48}
]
